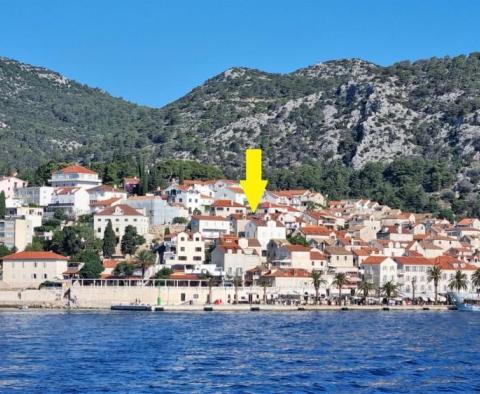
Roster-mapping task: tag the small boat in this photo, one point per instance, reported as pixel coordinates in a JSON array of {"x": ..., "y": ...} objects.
[
  {"x": 466, "y": 302},
  {"x": 23, "y": 307},
  {"x": 132, "y": 307}
]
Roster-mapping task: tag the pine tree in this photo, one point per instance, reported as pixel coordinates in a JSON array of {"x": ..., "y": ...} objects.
[
  {"x": 129, "y": 240},
  {"x": 109, "y": 241},
  {"x": 2, "y": 205}
]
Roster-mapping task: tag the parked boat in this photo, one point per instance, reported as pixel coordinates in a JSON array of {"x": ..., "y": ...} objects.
[
  {"x": 466, "y": 302},
  {"x": 132, "y": 307}
]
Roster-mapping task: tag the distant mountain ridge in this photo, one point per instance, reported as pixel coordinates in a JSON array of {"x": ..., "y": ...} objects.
[{"x": 347, "y": 110}]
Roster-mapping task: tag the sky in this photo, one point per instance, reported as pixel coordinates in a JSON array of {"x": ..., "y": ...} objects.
[{"x": 152, "y": 52}]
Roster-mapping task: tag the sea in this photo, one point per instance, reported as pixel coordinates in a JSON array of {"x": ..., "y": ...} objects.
[{"x": 239, "y": 352}]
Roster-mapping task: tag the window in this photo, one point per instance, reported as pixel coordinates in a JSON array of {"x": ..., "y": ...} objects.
[
  {"x": 182, "y": 239},
  {"x": 198, "y": 249},
  {"x": 197, "y": 258},
  {"x": 182, "y": 258},
  {"x": 44, "y": 276},
  {"x": 182, "y": 249},
  {"x": 35, "y": 264},
  {"x": 99, "y": 230},
  {"x": 34, "y": 276}
]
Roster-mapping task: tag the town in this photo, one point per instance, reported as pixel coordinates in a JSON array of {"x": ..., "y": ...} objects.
[{"x": 80, "y": 243}]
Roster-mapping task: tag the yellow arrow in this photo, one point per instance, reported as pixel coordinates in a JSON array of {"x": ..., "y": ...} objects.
[{"x": 253, "y": 185}]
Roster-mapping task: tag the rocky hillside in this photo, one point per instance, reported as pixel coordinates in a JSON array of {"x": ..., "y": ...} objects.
[{"x": 348, "y": 110}]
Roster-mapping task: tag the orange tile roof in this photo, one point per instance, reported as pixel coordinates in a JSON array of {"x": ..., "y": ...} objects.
[
  {"x": 316, "y": 255},
  {"x": 226, "y": 203},
  {"x": 35, "y": 256},
  {"x": 297, "y": 248},
  {"x": 110, "y": 263},
  {"x": 374, "y": 260},
  {"x": 409, "y": 260},
  {"x": 76, "y": 169},
  {"x": 315, "y": 230},
  {"x": 288, "y": 273}
]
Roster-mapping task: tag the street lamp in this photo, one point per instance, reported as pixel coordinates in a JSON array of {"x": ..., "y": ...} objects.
[{"x": 414, "y": 281}]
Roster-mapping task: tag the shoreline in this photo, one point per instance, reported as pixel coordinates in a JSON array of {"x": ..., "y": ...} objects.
[{"x": 244, "y": 308}]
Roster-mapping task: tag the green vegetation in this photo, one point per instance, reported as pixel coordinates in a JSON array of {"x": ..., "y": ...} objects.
[
  {"x": 2, "y": 205},
  {"x": 4, "y": 251},
  {"x": 317, "y": 282},
  {"x": 297, "y": 240},
  {"x": 92, "y": 267},
  {"x": 179, "y": 220},
  {"x": 164, "y": 273},
  {"x": 109, "y": 241},
  {"x": 124, "y": 269},
  {"x": 73, "y": 240},
  {"x": 459, "y": 282},
  {"x": 36, "y": 245},
  {"x": 145, "y": 258},
  {"x": 434, "y": 275},
  {"x": 131, "y": 240}
]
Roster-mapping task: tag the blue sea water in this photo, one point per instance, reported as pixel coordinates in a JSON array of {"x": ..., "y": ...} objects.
[{"x": 73, "y": 352}]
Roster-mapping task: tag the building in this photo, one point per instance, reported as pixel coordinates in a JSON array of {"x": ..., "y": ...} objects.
[
  {"x": 186, "y": 247},
  {"x": 37, "y": 195},
  {"x": 105, "y": 192},
  {"x": 16, "y": 232},
  {"x": 9, "y": 185},
  {"x": 211, "y": 227},
  {"x": 28, "y": 269},
  {"x": 121, "y": 216},
  {"x": 157, "y": 209},
  {"x": 264, "y": 231},
  {"x": 74, "y": 201},
  {"x": 380, "y": 270},
  {"x": 237, "y": 257},
  {"x": 75, "y": 176},
  {"x": 225, "y": 208},
  {"x": 33, "y": 214}
]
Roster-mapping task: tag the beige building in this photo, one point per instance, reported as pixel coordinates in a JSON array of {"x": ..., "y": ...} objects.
[
  {"x": 26, "y": 269},
  {"x": 380, "y": 270},
  {"x": 121, "y": 216},
  {"x": 16, "y": 232}
]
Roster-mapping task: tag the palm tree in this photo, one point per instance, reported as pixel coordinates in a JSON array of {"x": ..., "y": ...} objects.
[
  {"x": 476, "y": 278},
  {"x": 237, "y": 282},
  {"x": 145, "y": 258},
  {"x": 317, "y": 282},
  {"x": 459, "y": 281},
  {"x": 264, "y": 282},
  {"x": 339, "y": 281},
  {"x": 434, "y": 274},
  {"x": 389, "y": 290},
  {"x": 210, "y": 281},
  {"x": 366, "y": 288}
]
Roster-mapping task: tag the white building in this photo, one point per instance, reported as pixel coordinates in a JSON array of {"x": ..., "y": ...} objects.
[
  {"x": 75, "y": 176},
  {"x": 105, "y": 192},
  {"x": 264, "y": 231},
  {"x": 380, "y": 270},
  {"x": 211, "y": 227},
  {"x": 158, "y": 210},
  {"x": 74, "y": 201},
  {"x": 27, "y": 269},
  {"x": 235, "y": 258},
  {"x": 38, "y": 195},
  {"x": 34, "y": 215},
  {"x": 9, "y": 184},
  {"x": 121, "y": 216},
  {"x": 225, "y": 208},
  {"x": 186, "y": 248}
]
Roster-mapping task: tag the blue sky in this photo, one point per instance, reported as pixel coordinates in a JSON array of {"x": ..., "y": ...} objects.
[{"x": 152, "y": 52}]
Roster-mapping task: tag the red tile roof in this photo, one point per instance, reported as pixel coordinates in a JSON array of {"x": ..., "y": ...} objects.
[
  {"x": 123, "y": 209},
  {"x": 316, "y": 255},
  {"x": 288, "y": 273},
  {"x": 408, "y": 260},
  {"x": 35, "y": 256},
  {"x": 76, "y": 169}
]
